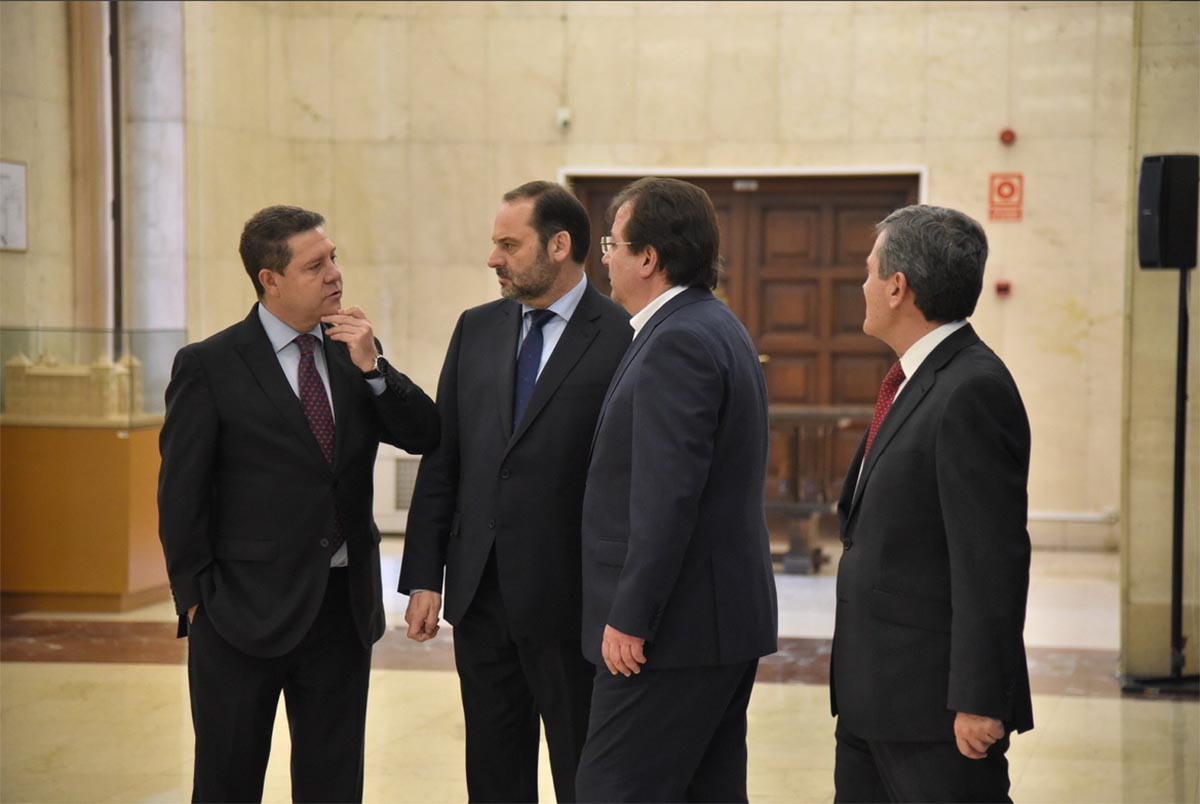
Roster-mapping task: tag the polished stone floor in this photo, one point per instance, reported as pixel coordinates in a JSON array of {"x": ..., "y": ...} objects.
[{"x": 94, "y": 707}]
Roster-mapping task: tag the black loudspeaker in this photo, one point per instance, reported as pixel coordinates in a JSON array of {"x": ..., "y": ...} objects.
[{"x": 1167, "y": 196}]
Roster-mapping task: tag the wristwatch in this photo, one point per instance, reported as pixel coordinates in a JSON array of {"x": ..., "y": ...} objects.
[{"x": 377, "y": 370}]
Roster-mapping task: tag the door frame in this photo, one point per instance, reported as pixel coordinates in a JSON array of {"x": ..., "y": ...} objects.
[{"x": 569, "y": 172}]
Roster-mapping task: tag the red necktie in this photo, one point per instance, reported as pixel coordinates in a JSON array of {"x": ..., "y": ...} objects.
[
  {"x": 887, "y": 393},
  {"x": 313, "y": 398},
  {"x": 315, "y": 403}
]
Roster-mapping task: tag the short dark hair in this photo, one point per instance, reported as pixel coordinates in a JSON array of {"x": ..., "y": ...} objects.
[
  {"x": 556, "y": 210},
  {"x": 265, "y": 236},
  {"x": 676, "y": 218},
  {"x": 941, "y": 252}
]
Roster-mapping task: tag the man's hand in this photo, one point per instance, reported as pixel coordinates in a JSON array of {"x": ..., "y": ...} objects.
[
  {"x": 192, "y": 613},
  {"x": 622, "y": 653},
  {"x": 422, "y": 615},
  {"x": 975, "y": 734},
  {"x": 351, "y": 327}
]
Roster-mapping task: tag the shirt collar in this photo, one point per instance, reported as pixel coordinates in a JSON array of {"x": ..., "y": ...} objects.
[
  {"x": 646, "y": 313},
  {"x": 566, "y": 303},
  {"x": 279, "y": 333},
  {"x": 911, "y": 360}
]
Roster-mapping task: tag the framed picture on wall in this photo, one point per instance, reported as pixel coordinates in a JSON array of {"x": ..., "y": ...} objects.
[{"x": 13, "y": 207}]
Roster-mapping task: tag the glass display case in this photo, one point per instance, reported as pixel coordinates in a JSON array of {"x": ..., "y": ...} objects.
[
  {"x": 80, "y": 413},
  {"x": 85, "y": 377}
]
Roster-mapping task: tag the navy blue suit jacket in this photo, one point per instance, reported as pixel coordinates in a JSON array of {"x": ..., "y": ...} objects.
[{"x": 675, "y": 546}]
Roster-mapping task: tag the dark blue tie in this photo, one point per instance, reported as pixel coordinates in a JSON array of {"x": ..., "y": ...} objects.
[{"x": 528, "y": 360}]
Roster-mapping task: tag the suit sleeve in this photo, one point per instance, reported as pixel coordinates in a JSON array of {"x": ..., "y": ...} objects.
[
  {"x": 676, "y": 404},
  {"x": 435, "y": 494},
  {"x": 410, "y": 419},
  {"x": 982, "y": 471},
  {"x": 187, "y": 444}
]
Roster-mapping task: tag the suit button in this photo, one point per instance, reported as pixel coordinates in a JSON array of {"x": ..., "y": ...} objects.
[
  {"x": 324, "y": 542},
  {"x": 504, "y": 473},
  {"x": 491, "y": 524}
]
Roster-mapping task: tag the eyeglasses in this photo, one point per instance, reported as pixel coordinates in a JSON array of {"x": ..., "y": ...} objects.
[{"x": 608, "y": 245}]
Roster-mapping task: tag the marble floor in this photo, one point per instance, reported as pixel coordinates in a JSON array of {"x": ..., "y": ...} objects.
[{"x": 93, "y": 708}]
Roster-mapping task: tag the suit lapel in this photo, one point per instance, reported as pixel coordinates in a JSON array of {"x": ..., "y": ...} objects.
[
  {"x": 689, "y": 296},
  {"x": 503, "y": 359},
  {"x": 581, "y": 330},
  {"x": 908, "y": 401},
  {"x": 255, "y": 349}
]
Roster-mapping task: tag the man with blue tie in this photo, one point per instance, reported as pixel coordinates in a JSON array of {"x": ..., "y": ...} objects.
[
  {"x": 268, "y": 450},
  {"x": 497, "y": 505}
]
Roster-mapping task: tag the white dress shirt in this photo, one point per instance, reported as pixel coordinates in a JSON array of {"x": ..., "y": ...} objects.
[{"x": 656, "y": 304}]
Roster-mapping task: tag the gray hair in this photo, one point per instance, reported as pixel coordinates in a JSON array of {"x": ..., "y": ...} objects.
[{"x": 941, "y": 252}]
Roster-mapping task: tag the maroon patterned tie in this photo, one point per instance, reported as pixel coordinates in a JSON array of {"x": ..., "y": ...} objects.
[
  {"x": 316, "y": 409},
  {"x": 887, "y": 393},
  {"x": 313, "y": 398}
]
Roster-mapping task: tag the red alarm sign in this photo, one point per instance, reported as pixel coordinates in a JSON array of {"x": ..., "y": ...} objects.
[{"x": 1006, "y": 194}]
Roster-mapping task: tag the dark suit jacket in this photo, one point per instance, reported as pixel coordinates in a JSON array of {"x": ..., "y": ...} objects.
[
  {"x": 522, "y": 491},
  {"x": 675, "y": 547},
  {"x": 246, "y": 500},
  {"x": 932, "y": 584}
]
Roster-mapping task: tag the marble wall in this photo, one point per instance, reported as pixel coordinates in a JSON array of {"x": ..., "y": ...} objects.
[
  {"x": 36, "y": 285},
  {"x": 405, "y": 122}
]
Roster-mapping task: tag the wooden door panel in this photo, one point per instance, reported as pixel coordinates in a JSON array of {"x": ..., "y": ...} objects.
[
  {"x": 854, "y": 234},
  {"x": 849, "y": 306},
  {"x": 789, "y": 307},
  {"x": 729, "y": 288},
  {"x": 792, "y": 379},
  {"x": 856, "y": 377},
  {"x": 596, "y": 203},
  {"x": 788, "y": 235}
]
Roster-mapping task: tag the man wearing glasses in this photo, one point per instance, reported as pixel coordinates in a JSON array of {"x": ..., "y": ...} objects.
[
  {"x": 678, "y": 591},
  {"x": 497, "y": 504}
]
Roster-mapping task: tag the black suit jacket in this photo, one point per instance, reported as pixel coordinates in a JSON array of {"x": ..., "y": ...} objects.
[
  {"x": 247, "y": 501},
  {"x": 522, "y": 491},
  {"x": 674, "y": 532},
  {"x": 932, "y": 584}
]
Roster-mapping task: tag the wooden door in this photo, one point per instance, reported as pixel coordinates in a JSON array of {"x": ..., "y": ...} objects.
[
  {"x": 795, "y": 253},
  {"x": 803, "y": 268}
]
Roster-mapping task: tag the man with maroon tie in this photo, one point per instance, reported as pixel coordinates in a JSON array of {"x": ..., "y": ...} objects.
[
  {"x": 928, "y": 674},
  {"x": 268, "y": 450}
]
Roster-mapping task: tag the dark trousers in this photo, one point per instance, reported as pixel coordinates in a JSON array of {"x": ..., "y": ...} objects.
[
  {"x": 668, "y": 735},
  {"x": 508, "y": 684},
  {"x": 874, "y": 771},
  {"x": 234, "y": 698}
]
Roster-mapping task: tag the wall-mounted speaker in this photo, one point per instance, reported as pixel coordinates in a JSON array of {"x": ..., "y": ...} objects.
[{"x": 1167, "y": 204}]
